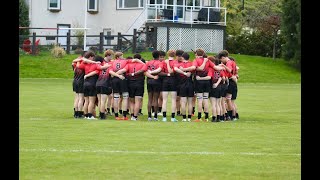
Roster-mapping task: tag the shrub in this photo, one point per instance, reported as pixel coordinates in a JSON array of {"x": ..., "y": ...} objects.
[
  {"x": 94, "y": 49},
  {"x": 58, "y": 52},
  {"x": 78, "y": 50},
  {"x": 257, "y": 43}
]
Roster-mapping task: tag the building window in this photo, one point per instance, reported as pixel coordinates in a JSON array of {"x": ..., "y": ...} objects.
[
  {"x": 92, "y": 5},
  {"x": 129, "y": 4},
  {"x": 160, "y": 3},
  {"x": 215, "y": 3},
  {"x": 196, "y": 5},
  {"x": 54, "y": 5}
]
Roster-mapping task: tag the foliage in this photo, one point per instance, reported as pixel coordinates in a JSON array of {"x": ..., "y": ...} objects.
[
  {"x": 58, "y": 52},
  {"x": 23, "y": 18},
  {"x": 78, "y": 50},
  {"x": 79, "y": 33},
  {"x": 257, "y": 43},
  {"x": 261, "y": 17},
  {"x": 291, "y": 28},
  {"x": 235, "y": 20},
  {"x": 94, "y": 49}
]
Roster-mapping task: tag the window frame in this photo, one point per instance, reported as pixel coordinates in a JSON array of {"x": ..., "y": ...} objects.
[
  {"x": 193, "y": 6},
  {"x": 141, "y": 6},
  {"x": 96, "y": 6},
  {"x": 54, "y": 8}
]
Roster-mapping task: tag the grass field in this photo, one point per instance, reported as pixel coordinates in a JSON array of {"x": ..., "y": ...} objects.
[{"x": 264, "y": 144}]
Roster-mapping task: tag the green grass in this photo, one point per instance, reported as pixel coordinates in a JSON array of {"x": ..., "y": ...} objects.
[
  {"x": 253, "y": 69},
  {"x": 264, "y": 144}
]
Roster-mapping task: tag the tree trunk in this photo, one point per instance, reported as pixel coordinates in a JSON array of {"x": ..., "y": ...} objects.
[{"x": 274, "y": 45}]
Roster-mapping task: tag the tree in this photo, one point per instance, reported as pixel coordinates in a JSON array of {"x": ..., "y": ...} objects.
[
  {"x": 259, "y": 17},
  {"x": 291, "y": 28},
  {"x": 271, "y": 26},
  {"x": 23, "y": 17}
]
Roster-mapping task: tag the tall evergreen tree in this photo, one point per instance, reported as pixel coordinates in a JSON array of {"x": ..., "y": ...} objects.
[
  {"x": 23, "y": 17},
  {"x": 291, "y": 28}
]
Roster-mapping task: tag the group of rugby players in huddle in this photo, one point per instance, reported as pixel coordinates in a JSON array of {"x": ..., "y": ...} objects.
[{"x": 119, "y": 83}]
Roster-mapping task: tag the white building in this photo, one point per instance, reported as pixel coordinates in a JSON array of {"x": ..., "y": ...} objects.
[{"x": 113, "y": 16}]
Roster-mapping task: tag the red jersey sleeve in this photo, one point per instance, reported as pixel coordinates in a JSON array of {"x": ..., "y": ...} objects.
[
  {"x": 211, "y": 64},
  {"x": 82, "y": 65},
  {"x": 222, "y": 73},
  {"x": 195, "y": 63},
  {"x": 126, "y": 67},
  {"x": 210, "y": 72},
  {"x": 176, "y": 64},
  {"x": 161, "y": 65},
  {"x": 145, "y": 67}
]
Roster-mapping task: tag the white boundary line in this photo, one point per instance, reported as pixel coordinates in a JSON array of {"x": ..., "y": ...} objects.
[{"x": 154, "y": 152}]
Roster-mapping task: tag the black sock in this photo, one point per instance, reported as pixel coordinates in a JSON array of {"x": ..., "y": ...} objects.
[
  {"x": 86, "y": 115},
  {"x": 128, "y": 111},
  {"x": 80, "y": 114},
  {"x": 178, "y": 112},
  {"x": 172, "y": 115},
  {"x": 189, "y": 116},
  {"x": 237, "y": 115},
  {"x": 149, "y": 114},
  {"x": 229, "y": 113},
  {"x": 132, "y": 114},
  {"x": 102, "y": 115},
  {"x": 206, "y": 115},
  {"x": 155, "y": 115},
  {"x": 125, "y": 113},
  {"x": 225, "y": 115},
  {"x": 159, "y": 109},
  {"x": 76, "y": 114},
  {"x": 112, "y": 109},
  {"x": 90, "y": 115},
  {"x": 221, "y": 118},
  {"x": 213, "y": 118},
  {"x": 184, "y": 116},
  {"x": 116, "y": 114},
  {"x": 152, "y": 108},
  {"x": 120, "y": 111},
  {"x": 193, "y": 110},
  {"x": 140, "y": 110},
  {"x": 108, "y": 110},
  {"x": 135, "y": 117},
  {"x": 199, "y": 115},
  {"x": 218, "y": 117},
  {"x": 164, "y": 114}
]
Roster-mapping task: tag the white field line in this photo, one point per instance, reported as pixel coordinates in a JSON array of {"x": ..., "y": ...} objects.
[{"x": 155, "y": 152}]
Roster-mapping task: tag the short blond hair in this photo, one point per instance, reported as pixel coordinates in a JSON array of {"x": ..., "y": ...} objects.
[
  {"x": 171, "y": 53},
  {"x": 108, "y": 52},
  {"x": 117, "y": 55}
]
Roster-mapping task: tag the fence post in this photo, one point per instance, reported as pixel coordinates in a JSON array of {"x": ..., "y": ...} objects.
[
  {"x": 134, "y": 41},
  {"x": 101, "y": 42},
  {"x": 147, "y": 36},
  {"x": 68, "y": 42},
  {"x": 33, "y": 48},
  {"x": 168, "y": 39},
  {"x": 119, "y": 41}
]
